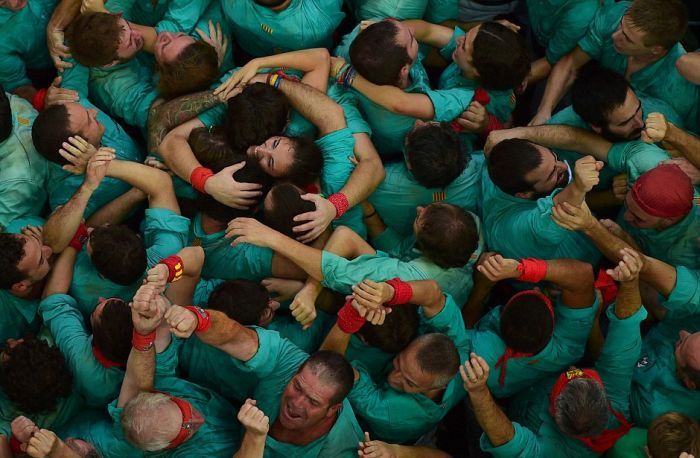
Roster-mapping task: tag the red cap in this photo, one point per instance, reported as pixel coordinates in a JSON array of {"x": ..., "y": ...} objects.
[{"x": 664, "y": 192}]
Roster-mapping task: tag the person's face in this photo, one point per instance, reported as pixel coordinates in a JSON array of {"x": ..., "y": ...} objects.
[
  {"x": 130, "y": 41},
  {"x": 687, "y": 355},
  {"x": 9, "y": 345},
  {"x": 636, "y": 217},
  {"x": 13, "y": 5},
  {"x": 306, "y": 401},
  {"x": 549, "y": 175},
  {"x": 628, "y": 40},
  {"x": 275, "y": 155},
  {"x": 626, "y": 122},
  {"x": 35, "y": 263},
  {"x": 269, "y": 313},
  {"x": 169, "y": 45},
  {"x": 407, "y": 375},
  {"x": 464, "y": 51},
  {"x": 83, "y": 121}
]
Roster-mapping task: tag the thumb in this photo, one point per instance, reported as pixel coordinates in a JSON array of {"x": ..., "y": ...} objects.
[
  {"x": 231, "y": 169},
  {"x": 57, "y": 81},
  {"x": 310, "y": 197}
]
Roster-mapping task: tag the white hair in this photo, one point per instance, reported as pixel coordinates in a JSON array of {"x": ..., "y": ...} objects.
[{"x": 143, "y": 424}]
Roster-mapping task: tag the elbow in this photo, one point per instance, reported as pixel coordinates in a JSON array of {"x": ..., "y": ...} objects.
[
  {"x": 434, "y": 293},
  {"x": 585, "y": 275}
]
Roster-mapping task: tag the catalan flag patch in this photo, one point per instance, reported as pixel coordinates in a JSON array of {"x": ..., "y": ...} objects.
[
  {"x": 266, "y": 28},
  {"x": 439, "y": 196}
]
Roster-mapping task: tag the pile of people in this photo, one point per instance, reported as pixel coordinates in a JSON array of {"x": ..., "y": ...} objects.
[{"x": 301, "y": 228}]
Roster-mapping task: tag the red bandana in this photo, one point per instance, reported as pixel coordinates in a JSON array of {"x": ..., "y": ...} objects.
[
  {"x": 607, "y": 438},
  {"x": 510, "y": 353},
  {"x": 102, "y": 359}
]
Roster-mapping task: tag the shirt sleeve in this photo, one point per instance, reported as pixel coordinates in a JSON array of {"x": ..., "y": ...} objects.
[
  {"x": 165, "y": 234},
  {"x": 276, "y": 357},
  {"x": 448, "y": 321},
  {"x": 569, "y": 30},
  {"x": 593, "y": 41},
  {"x": 394, "y": 244},
  {"x": 17, "y": 199},
  {"x": 336, "y": 147},
  {"x": 341, "y": 274},
  {"x": 635, "y": 158},
  {"x": 451, "y": 46},
  {"x": 450, "y": 103},
  {"x": 685, "y": 296},
  {"x": 76, "y": 78},
  {"x": 13, "y": 73},
  {"x": 524, "y": 443},
  {"x": 182, "y": 15}
]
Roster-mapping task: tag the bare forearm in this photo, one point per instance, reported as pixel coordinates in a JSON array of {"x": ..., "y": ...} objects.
[
  {"x": 252, "y": 446},
  {"x": 315, "y": 106},
  {"x": 64, "y": 222},
  {"x": 64, "y": 13},
  {"x": 432, "y": 34},
  {"x": 117, "y": 210},
  {"x": 417, "y": 451},
  {"x": 157, "y": 184},
  {"x": 336, "y": 341},
  {"x": 571, "y": 194},
  {"x": 396, "y": 100},
  {"x": 540, "y": 70},
  {"x": 560, "y": 80},
  {"x": 368, "y": 173},
  {"x": 473, "y": 310},
  {"x": 178, "y": 155},
  {"x": 306, "y": 257},
  {"x": 140, "y": 372},
  {"x": 628, "y": 299},
  {"x": 315, "y": 63},
  {"x": 374, "y": 222},
  {"x": 607, "y": 243},
  {"x": 427, "y": 294},
  {"x": 568, "y": 138},
  {"x": 685, "y": 143},
  {"x": 659, "y": 275},
  {"x": 230, "y": 336},
  {"x": 497, "y": 426},
  {"x": 61, "y": 275}
]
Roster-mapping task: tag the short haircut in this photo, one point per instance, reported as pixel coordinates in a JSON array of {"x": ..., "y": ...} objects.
[
  {"x": 286, "y": 203},
  {"x": 448, "y": 235},
  {"x": 663, "y": 22},
  {"x": 35, "y": 376},
  {"x": 377, "y": 56},
  {"x": 241, "y": 300},
  {"x": 49, "y": 132},
  {"x": 5, "y": 115},
  {"x": 435, "y": 154},
  {"x": 582, "y": 408},
  {"x": 333, "y": 370},
  {"x": 597, "y": 92},
  {"x": 194, "y": 69},
  {"x": 673, "y": 433},
  {"x": 308, "y": 162},
  {"x": 510, "y": 161},
  {"x": 438, "y": 355},
  {"x": 399, "y": 330},
  {"x": 118, "y": 253},
  {"x": 259, "y": 112},
  {"x": 139, "y": 421},
  {"x": 500, "y": 56},
  {"x": 93, "y": 38},
  {"x": 526, "y": 323},
  {"x": 112, "y": 331},
  {"x": 11, "y": 254}
]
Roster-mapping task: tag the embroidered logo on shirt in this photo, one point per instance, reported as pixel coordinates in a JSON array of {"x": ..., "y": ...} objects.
[
  {"x": 266, "y": 28},
  {"x": 439, "y": 196},
  {"x": 23, "y": 121},
  {"x": 644, "y": 362},
  {"x": 696, "y": 201}
]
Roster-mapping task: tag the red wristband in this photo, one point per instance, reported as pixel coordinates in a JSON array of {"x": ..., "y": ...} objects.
[
  {"x": 199, "y": 176},
  {"x": 175, "y": 267},
  {"x": 79, "y": 238},
  {"x": 481, "y": 96},
  {"x": 494, "y": 124},
  {"x": 203, "y": 318},
  {"x": 340, "y": 202},
  {"x": 39, "y": 99},
  {"x": 143, "y": 342},
  {"x": 15, "y": 445},
  {"x": 532, "y": 270},
  {"x": 349, "y": 321},
  {"x": 402, "y": 292}
]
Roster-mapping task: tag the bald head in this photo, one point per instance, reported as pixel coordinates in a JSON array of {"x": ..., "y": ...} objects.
[{"x": 688, "y": 359}]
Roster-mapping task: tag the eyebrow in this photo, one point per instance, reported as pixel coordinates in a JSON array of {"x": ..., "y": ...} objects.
[
  {"x": 639, "y": 107},
  {"x": 622, "y": 21}
]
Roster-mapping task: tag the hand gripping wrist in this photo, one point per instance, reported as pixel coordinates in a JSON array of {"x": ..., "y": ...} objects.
[
  {"x": 349, "y": 321},
  {"x": 402, "y": 292},
  {"x": 143, "y": 342},
  {"x": 532, "y": 270},
  {"x": 175, "y": 267},
  {"x": 340, "y": 202},
  {"x": 199, "y": 177},
  {"x": 203, "y": 318},
  {"x": 80, "y": 237}
]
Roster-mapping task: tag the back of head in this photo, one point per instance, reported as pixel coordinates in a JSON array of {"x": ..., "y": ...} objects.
[
  {"x": 437, "y": 355},
  {"x": 448, "y": 235},
  {"x": 435, "y": 154},
  {"x": 241, "y": 300},
  {"x": 141, "y": 424},
  {"x": 333, "y": 370},
  {"x": 34, "y": 376},
  {"x": 526, "y": 322},
  {"x": 308, "y": 162},
  {"x": 673, "y": 433},
  {"x": 399, "y": 330},
  {"x": 195, "y": 69},
  {"x": 509, "y": 162},
  {"x": 664, "y": 191},
  {"x": 112, "y": 331},
  {"x": 259, "y": 112},
  {"x": 93, "y": 38},
  {"x": 377, "y": 56},
  {"x": 118, "y": 253},
  {"x": 5, "y": 115},
  {"x": 582, "y": 408},
  {"x": 500, "y": 56},
  {"x": 49, "y": 132},
  {"x": 285, "y": 203},
  {"x": 11, "y": 253},
  {"x": 596, "y": 92},
  {"x": 664, "y": 22}
]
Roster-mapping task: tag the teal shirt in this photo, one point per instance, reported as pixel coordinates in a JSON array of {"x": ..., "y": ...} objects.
[
  {"x": 398, "y": 195},
  {"x": 165, "y": 15},
  {"x": 660, "y": 79},
  {"x": 23, "y": 43},
  {"x": 536, "y": 434},
  {"x": 244, "y": 261},
  {"x": 682, "y": 307},
  {"x": 373, "y": 360},
  {"x": 397, "y": 417},
  {"x": 441, "y": 10},
  {"x": 381, "y": 9},
  {"x": 634, "y": 158},
  {"x": 676, "y": 245},
  {"x": 519, "y": 228},
  {"x": 558, "y": 25},
  {"x": 62, "y": 184},
  {"x": 23, "y": 171},
  {"x": 303, "y": 24},
  {"x": 164, "y": 234},
  {"x": 568, "y": 342},
  {"x": 98, "y": 384},
  {"x": 275, "y": 363}
]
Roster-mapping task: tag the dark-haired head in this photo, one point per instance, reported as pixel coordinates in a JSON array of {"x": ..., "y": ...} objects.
[
  {"x": 446, "y": 234},
  {"x": 435, "y": 154},
  {"x": 384, "y": 52}
]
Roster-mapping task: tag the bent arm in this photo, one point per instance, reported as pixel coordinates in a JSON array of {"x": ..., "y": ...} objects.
[
  {"x": 157, "y": 184},
  {"x": 315, "y": 106},
  {"x": 64, "y": 222},
  {"x": 368, "y": 173},
  {"x": 176, "y": 152},
  {"x": 396, "y": 100},
  {"x": 560, "y": 80},
  {"x": 230, "y": 336},
  {"x": 685, "y": 143},
  {"x": 575, "y": 278},
  {"x": 426, "y": 32}
]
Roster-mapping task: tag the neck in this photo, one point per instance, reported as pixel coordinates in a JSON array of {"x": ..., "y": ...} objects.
[
  {"x": 33, "y": 292},
  {"x": 305, "y": 436},
  {"x": 210, "y": 225},
  {"x": 281, "y": 7},
  {"x": 646, "y": 59}
]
